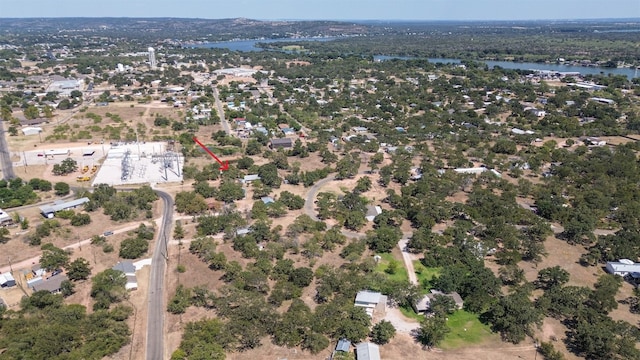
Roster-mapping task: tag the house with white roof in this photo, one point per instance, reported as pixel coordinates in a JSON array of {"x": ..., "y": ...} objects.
[
  {"x": 367, "y": 351},
  {"x": 370, "y": 301},
  {"x": 623, "y": 267}
]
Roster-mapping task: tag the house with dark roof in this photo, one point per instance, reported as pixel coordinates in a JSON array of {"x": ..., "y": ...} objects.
[
  {"x": 285, "y": 143},
  {"x": 129, "y": 271},
  {"x": 52, "y": 284},
  {"x": 423, "y": 305}
]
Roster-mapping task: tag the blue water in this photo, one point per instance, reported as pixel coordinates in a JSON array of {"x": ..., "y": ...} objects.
[
  {"x": 250, "y": 45},
  {"x": 628, "y": 72}
]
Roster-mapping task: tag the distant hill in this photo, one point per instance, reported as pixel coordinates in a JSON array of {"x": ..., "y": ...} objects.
[{"x": 182, "y": 29}]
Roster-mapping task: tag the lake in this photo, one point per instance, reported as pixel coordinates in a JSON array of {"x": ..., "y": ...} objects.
[
  {"x": 584, "y": 70},
  {"x": 250, "y": 45}
]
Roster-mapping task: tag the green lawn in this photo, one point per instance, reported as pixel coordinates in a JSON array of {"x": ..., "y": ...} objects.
[
  {"x": 410, "y": 313},
  {"x": 424, "y": 273},
  {"x": 401, "y": 271},
  {"x": 476, "y": 332}
]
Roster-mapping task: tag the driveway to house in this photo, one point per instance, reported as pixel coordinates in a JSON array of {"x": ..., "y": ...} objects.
[
  {"x": 408, "y": 261},
  {"x": 399, "y": 321}
]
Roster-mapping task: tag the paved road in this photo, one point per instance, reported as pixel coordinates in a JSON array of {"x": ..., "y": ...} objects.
[
  {"x": 223, "y": 119},
  {"x": 5, "y": 156},
  {"x": 156, "y": 306},
  {"x": 311, "y": 195}
]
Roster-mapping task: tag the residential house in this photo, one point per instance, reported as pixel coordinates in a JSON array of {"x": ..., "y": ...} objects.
[
  {"x": 267, "y": 200},
  {"x": 370, "y": 301},
  {"x": 250, "y": 178},
  {"x": 372, "y": 212},
  {"x": 281, "y": 143},
  {"x": 623, "y": 267},
  {"x": 243, "y": 231},
  {"x": 367, "y": 351},
  {"x": 423, "y": 305},
  {"x": 129, "y": 271},
  {"x": 603, "y": 100},
  {"x": 52, "y": 284},
  {"x": 359, "y": 129}
]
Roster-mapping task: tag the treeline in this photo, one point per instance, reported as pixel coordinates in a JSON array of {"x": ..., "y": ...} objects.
[{"x": 46, "y": 329}]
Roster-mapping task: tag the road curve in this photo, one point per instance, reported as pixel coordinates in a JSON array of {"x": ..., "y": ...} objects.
[
  {"x": 156, "y": 306},
  {"x": 311, "y": 194}
]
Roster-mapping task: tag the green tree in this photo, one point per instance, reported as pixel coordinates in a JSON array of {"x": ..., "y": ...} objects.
[
  {"x": 229, "y": 192},
  {"x": 551, "y": 277},
  {"x": 4, "y": 235},
  {"x": 269, "y": 175},
  {"x": 301, "y": 277},
  {"x": 31, "y": 112},
  {"x": 78, "y": 269},
  {"x": 202, "y": 341},
  {"x": 190, "y": 203},
  {"x": 432, "y": 331},
  {"x": 178, "y": 231},
  {"x": 62, "y": 188},
  {"x": 108, "y": 287},
  {"x": 53, "y": 257},
  {"x": 67, "y": 166},
  {"x": 382, "y": 332},
  {"x": 133, "y": 248},
  {"x": 180, "y": 301},
  {"x": 67, "y": 288},
  {"x": 513, "y": 315},
  {"x": 80, "y": 219}
]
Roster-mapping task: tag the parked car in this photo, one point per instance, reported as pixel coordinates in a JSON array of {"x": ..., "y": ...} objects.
[
  {"x": 107, "y": 233},
  {"x": 56, "y": 272}
]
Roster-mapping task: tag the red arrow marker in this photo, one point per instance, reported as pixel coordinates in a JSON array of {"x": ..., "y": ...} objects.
[{"x": 223, "y": 166}]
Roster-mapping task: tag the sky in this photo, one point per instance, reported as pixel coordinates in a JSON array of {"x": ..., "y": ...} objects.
[{"x": 328, "y": 9}]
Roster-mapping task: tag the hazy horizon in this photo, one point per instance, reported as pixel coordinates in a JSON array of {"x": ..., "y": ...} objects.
[{"x": 338, "y": 10}]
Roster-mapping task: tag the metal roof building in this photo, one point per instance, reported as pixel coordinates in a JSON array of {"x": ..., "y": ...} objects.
[
  {"x": 49, "y": 210},
  {"x": 367, "y": 351}
]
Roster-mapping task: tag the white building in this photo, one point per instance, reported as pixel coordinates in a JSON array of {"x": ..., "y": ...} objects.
[
  {"x": 623, "y": 267},
  {"x": 370, "y": 301}
]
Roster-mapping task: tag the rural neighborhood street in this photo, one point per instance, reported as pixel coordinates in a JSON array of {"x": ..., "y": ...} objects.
[{"x": 156, "y": 307}]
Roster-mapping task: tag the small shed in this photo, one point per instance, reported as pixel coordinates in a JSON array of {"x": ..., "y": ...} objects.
[
  {"x": 7, "y": 280},
  {"x": 343, "y": 345},
  {"x": 267, "y": 200}
]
